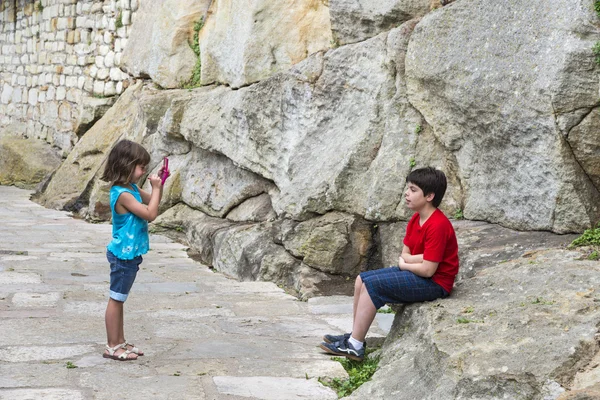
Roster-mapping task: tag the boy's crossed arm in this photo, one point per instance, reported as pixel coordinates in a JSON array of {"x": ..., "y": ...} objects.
[{"x": 416, "y": 264}]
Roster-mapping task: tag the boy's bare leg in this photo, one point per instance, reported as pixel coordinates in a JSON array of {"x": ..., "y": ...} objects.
[
  {"x": 114, "y": 326},
  {"x": 358, "y": 283},
  {"x": 364, "y": 314}
]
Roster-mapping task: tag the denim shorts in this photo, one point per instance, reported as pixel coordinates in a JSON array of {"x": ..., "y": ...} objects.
[
  {"x": 122, "y": 275},
  {"x": 392, "y": 285}
]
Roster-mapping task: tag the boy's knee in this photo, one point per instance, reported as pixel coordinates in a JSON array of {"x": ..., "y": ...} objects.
[{"x": 358, "y": 282}]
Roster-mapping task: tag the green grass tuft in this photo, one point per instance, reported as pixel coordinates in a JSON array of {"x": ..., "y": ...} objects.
[
  {"x": 358, "y": 373},
  {"x": 590, "y": 237}
]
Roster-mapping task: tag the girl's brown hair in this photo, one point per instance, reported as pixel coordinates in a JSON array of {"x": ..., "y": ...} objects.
[{"x": 122, "y": 160}]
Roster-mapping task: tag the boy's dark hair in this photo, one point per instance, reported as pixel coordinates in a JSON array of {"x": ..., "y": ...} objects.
[
  {"x": 429, "y": 180},
  {"x": 122, "y": 160}
]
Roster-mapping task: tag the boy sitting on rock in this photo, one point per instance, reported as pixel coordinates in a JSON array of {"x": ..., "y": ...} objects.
[{"x": 427, "y": 266}]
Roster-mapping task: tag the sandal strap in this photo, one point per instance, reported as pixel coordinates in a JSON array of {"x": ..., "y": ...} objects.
[
  {"x": 133, "y": 348},
  {"x": 111, "y": 350},
  {"x": 124, "y": 355}
]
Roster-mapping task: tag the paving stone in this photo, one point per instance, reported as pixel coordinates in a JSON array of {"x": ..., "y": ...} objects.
[
  {"x": 272, "y": 388},
  {"x": 38, "y": 353},
  {"x": 46, "y": 394},
  {"x": 12, "y": 278},
  {"x": 36, "y": 299}
]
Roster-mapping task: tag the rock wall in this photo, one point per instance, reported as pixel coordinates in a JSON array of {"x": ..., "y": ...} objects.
[
  {"x": 301, "y": 129},
  {"x": 59, "y": 65}
]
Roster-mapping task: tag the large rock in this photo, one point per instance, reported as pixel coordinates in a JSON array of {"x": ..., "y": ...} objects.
[
  {"x": 26, "y": 162},
  {"x": 504, "y": 102},
  {"x": 158, "y": 45},
  {"x": 194, "y": 227},
  {"x": 214, "y": 185},
  {"x": 517, "y": 330},
  {"x": 245, "y": 42},
  {"x": 357, "y": 20},
  {"x": 334, "y": 133},
  {"x": 335, "y": 243}
]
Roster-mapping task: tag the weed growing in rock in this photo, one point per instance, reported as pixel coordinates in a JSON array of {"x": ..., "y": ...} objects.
[
  {"x": 194, "y": 81},
  {"x": 596, "y": 50},
  {"x": 590, "y": 237},
  {"x": 463, "y": 320},
  {"x": 594, "y": 256},
  {"x": 597, "y": 7},
  {"x": 412, "y": 162},
  {"x": 458, "y": 214},
  {"x": 468, "y": 310},
  {"x": 119, "y": 21},
  {"x": 40, "y": 6},
  {"x": 386, "y": 310},
  {"x": 541, "y": 301},
  {"x": 358, "y": 373},
  {"x": 418, "y": 129},
  {"x": 70, "y": 365}
]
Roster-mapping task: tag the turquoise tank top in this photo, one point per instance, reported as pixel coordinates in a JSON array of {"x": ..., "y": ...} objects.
[{"x": 130, "y": 232}]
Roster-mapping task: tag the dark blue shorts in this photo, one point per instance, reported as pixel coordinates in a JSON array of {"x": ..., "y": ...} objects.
[
  {"x": 391, "y": 285},
  {"x": 122, "y": 275}
]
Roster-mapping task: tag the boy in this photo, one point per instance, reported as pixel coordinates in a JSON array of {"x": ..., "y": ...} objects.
[{"x": 427, "y": 266}]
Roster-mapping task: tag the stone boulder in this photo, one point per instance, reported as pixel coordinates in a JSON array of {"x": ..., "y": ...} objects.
[
  {"x": 357, "y": 20},
  {"x": 245, "y": 42},
  {"x": 505, "y": 103},
  {"x": 256, "y": 209},
  {"x": 335, "y": 243},
  {"x": 26, "y": 162},
  {"x": 520, "y": 329},
  {"x": 334, "y": 133},
  {"x": 214, "y": 185},
  {"x": 159, "y": 43}
]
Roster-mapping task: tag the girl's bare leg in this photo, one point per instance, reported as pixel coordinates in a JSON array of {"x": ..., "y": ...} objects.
[{"x": 114, "y": 326}]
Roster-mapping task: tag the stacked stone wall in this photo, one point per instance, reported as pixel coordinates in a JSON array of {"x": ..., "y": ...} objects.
[{"x": 56, "y": 56}]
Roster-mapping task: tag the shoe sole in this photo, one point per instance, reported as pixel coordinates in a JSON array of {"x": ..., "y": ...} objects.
[{"x": 335, "y": 353}]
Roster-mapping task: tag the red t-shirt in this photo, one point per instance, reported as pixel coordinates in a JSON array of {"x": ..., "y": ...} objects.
[{"x": 436, "y": 240}]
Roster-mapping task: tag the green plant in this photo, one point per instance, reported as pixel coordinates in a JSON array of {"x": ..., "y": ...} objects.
[
  {"x": 70, "y": 365},
  {"x": 462, "y": 320},
  {"x": 597, "y": 7},
  {"x": 590, "y": 237},
  {"x": 119, "y": 21},
  {"x": 541, "y": 301},
  {"x": 386, "y": 310},
  {"x": 195, "y": 79},
  {"x": 177, "y": 373},
  {"x": 468, "y": 310},
  {"x": 418, "y": 129},
  {"x": 40, "y": 6},
  {"x": 596, "y": 50},
  {"x": 458, "y": 214},
  {"x": 594, "y": 256},
  {"x": 358, "y": 373},
  {"x": 412, "y": 162}
]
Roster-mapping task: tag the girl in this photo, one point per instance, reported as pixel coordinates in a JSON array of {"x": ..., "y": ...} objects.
[{"x": 131, "y": 208}]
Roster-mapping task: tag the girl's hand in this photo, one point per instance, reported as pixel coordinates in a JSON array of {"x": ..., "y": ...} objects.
[{"x": 155, "y": 181}]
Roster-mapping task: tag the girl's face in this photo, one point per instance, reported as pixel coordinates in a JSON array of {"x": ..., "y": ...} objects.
[{"x": 140, "y": 170}]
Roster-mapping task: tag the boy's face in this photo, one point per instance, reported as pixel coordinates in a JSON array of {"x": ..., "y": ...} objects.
[{"x": 415, "y": 199}]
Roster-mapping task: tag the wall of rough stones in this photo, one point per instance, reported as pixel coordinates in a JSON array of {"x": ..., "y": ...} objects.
[{"x": 58, "y": 58}]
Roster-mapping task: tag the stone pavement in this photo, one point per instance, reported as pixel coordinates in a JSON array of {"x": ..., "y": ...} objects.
[{"x": 205, "y": 336}]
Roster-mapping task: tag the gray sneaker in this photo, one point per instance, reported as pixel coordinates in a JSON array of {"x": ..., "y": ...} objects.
[
  {"x": 335, "y": 338},
  {"x": 344, "y": 349}
]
